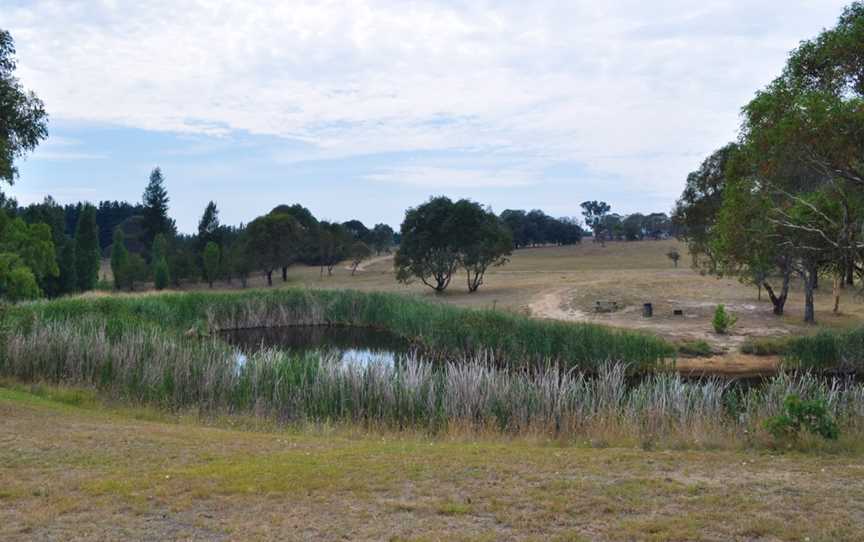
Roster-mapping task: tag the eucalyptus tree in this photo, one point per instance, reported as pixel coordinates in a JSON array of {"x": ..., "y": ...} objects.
[{"x": 23, "y": 120}]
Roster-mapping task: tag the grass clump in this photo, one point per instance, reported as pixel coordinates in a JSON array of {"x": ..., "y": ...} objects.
[
  {"x": 694, "y": 349},
  {"x": 765, "y": 346}
]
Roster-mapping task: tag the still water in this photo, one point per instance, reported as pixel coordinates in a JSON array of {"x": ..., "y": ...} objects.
[{"x": 354, "y": 345}]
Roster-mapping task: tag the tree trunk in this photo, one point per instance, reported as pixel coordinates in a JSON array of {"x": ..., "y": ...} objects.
[
  {"x": 269, "y": 278},
  {"x": 810, "y": 282},
  {"x": 475, "y": 280},
  {"x": 850, "y": 271},
  {"x": 837, "y": 285},
  {"x": 284, "y": 273},
  {"x": 779, "y": 301},
  {"x": 354, "y": 268},
  {"x": 243, "y": 282}
]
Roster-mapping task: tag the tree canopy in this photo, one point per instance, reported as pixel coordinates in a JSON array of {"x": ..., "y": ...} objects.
[{"x": 23, "y": 120}]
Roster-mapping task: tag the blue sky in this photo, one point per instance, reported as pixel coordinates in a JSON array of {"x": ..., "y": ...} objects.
[{"x": 360, "y": 109}]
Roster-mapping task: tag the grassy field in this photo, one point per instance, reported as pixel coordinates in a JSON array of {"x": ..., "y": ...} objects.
[
  {"x": 565, "y": 282},
  {"x": 72, "y": 468}
]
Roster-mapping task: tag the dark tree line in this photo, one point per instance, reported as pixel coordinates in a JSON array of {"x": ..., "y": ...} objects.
[{"x": 536, "y": 228}]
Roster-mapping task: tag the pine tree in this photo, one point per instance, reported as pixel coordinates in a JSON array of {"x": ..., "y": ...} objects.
[
  {"x": 87, "y": 257},
  {"x": 208, "y": 226},
  {"x": 155, "y": 212}
]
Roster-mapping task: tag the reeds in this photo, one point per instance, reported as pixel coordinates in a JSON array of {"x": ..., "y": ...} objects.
[
  {"x": 150, "y": 366},
  {"x": 510, "y": 339}
]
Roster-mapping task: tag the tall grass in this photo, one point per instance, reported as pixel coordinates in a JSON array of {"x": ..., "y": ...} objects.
[
  {"x": 841, "y": 351},
  {"x": 149, "y": 366},
  {"x": 509, "y": 338}
]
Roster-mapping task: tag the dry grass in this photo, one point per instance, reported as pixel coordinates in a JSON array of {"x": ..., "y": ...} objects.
[
  {"x": 78, "y": 472},
  {"x": 565, "y": 282}
]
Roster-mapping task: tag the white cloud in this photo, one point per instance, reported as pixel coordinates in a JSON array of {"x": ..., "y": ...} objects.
[
  {"x": 636, "y": 90},
  {"x": 445, "y": 178}
]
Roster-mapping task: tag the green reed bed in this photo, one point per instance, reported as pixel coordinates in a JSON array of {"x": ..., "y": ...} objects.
[
  {"x": 152, "y": 367},
  {"x": 835, "y": 351},
  {"x": 512, "y": 339}
]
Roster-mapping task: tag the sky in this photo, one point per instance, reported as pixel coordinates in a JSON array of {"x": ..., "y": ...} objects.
[{"x": 363, "y": 108}]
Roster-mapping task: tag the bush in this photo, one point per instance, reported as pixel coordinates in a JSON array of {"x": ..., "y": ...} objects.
[
  {"x": 811, "y": 415},
  {"x": 722, "y": 321}
]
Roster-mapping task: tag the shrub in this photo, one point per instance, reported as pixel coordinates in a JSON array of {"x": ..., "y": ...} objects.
[
  {"x": 722, "y": 321},
  {"x": 811, "y": 415}
]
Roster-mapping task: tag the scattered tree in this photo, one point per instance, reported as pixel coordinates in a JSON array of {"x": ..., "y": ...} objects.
[
  {"x": 155, "y": 208},
  {"x": 359, "y": 252},
  {"x": 674, "y": 255},
  {"x": 595, "y": 213}
]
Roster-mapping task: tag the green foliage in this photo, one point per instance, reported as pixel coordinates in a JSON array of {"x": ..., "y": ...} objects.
[
  {"x": 136, "y": 270},
  {"x": 120, "y": 260},
  {"x": 827, "y": 351},
  {"x": 695, "y": 349},
  {"x": 87, "y": 256},
  {"x": 23, "y": 120},
  {"x": 440, "y": 235},
  {"x": 429, "y": 248},
  {"x": 208, "y": 226},
  {"x": 722, "y": 321},
  {"x": 161, "y": 274},
  {"x": 595, "y": 213},
  {"x": 211, "y": 262},
  {"x": 17, "y": 281},
  {"x": 382, "y": 237},
  {"x": 359, "y": 252},
  {"x": 155, "y": 213},
  {"x": 811, "y": 415},
  {"x": 333, "y": 243},
  {"x": 68, "y": 275},
  {"x": 273, "y": 241},
  {"x": 515, "y": 340},
  {"x": 159, "y": 260},
  {"x": 697, "y": 209},
  {"x": 765, "y": 346}
]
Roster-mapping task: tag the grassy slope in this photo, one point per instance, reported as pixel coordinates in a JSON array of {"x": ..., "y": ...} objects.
[{"x": 71, "y": 468}]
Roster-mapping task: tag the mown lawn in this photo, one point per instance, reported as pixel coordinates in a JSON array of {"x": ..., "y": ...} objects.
[{"x": 73, "y": 468}]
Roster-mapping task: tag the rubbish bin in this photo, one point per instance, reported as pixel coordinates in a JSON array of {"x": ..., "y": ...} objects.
[{"x": 647, "y": 310}]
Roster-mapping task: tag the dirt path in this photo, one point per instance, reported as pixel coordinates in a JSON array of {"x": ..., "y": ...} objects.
[
  {"x": 371, "y": 261},
  {"x": 555, "y": 304},
  {"x": 550, "y": 304}
]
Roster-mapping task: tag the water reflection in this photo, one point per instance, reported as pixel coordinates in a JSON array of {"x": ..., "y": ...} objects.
[{"x": 350, "y": 345}]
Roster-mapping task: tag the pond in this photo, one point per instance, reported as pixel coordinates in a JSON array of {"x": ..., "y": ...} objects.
[{"x": 354, "y": 345}]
